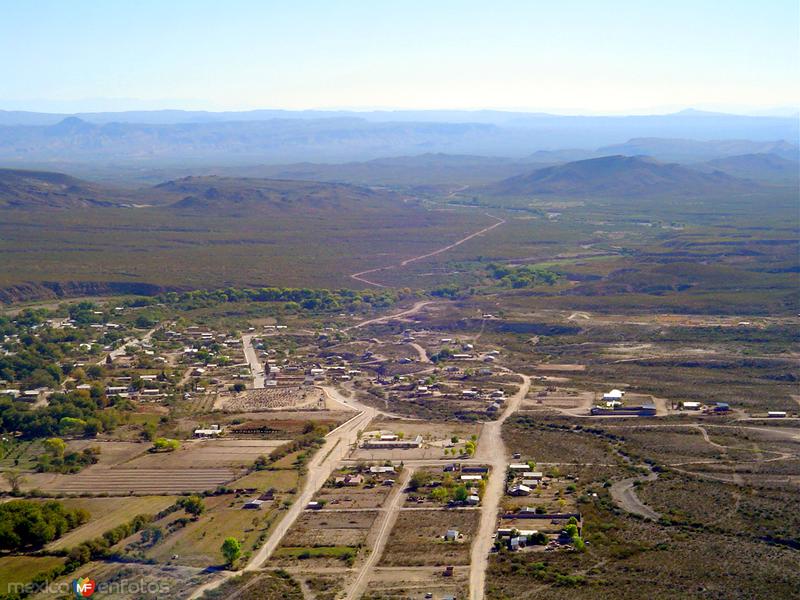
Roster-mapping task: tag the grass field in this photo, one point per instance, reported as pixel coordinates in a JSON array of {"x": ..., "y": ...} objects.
[
  {"x": 282, "y": 480},
  {"x": 198, "y": 543},
  {"x": 107, "y": 513},
  {"x": 21, "y": 569}
]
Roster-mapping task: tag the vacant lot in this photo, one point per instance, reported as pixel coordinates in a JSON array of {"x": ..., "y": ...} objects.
[
  {"x": 416, "y": 539},
  {"x": 318, "y": 529},
  {"x": 532, "y": 437},
  {"x": 415, "y": 582}
]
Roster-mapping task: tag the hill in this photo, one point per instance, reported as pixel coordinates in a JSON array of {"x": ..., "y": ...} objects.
[
  {"x": 690, "y": 150},
  {"x": 212, "y": 193},
  {"x": 625, "y": 176},
  {"x": 766, "y": 167},
  {"x": 23, "y": 189}
]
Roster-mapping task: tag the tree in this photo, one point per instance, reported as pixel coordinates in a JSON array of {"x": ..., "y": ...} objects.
[
  {"x": 460, "y": 494},
  {"x": 239, "y": 387},
  {"x": 55, "y": 446},
  {"x": 149, "y": 431},
  {"x": 193, "y": 505},
  {"x": 15, "y": 479},
  {"x": 440, "y": 494},
  {"x": 165, "y": 445},
  {"x": 231, "y": 550}
]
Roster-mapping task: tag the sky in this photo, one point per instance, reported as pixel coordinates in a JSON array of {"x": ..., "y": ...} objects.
[{"x": 564, "y": 56}]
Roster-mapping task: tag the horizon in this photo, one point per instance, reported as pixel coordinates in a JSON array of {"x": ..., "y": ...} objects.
[
  {"x": 577, "y": 57},
  {"x": 765, "y": 111}
]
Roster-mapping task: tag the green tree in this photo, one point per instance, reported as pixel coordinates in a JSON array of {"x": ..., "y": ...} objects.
[
  {"x": 231, "y": 550},
  {"x": 440, "y": 494},
  {"x": 55, "y": 446},
  {"x": 165, "y": 445},
  {"x": 460, "y": 494},
  {"x": 193, "y": 505}
]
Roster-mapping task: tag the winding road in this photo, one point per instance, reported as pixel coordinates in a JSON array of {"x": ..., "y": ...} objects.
[{"x": 624, "y": 495}]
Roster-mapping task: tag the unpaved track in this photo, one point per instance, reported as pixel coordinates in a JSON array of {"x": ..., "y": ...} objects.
[
  {"x": 418, "y": 306},
  {"x": 360, "y": 275},
  {"x": 336, "y": 445},
  {"x": 389, "y": 518},
  {"x": 625, "y": 496},
  {"x": 491, "y": 450},
  {"x": 256, "y": 368}
]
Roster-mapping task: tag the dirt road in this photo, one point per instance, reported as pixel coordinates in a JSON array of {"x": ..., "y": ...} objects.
[
  {"x": 418, "y": 306},
  {"x": 625, "y": 496},
  {"x": 256, "y": 368},
  {"x": 492, "y": 451},
  {"x": 336, "y": 445},
  {"x": 360, "y": 275},
  {"x": 389, "y": 517}
]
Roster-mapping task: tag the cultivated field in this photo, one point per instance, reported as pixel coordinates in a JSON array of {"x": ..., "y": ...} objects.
[{"x": 207, "y": 454}]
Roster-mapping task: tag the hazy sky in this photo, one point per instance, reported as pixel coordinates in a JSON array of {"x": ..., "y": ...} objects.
[{"x": 558, "y": 55}]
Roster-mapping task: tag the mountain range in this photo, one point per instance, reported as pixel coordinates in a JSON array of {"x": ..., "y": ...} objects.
[
  {"x": 619, "y": 176},
  {"x": 274, "y": 137}
]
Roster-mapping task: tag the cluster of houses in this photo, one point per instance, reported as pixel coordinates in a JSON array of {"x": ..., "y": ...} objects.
[
  {"x": 716, "y": 407},
  {"x": 613, "y": 405},
  {"x": 522, "y": 479}
]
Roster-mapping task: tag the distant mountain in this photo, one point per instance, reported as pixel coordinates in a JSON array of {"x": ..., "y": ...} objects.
[
  {"x": 279, "y": 137},
  {"x": 624, "y": 176},
  {"x": 766, "y": 167},
  {"x": 215, "y": 194},
  {"x": 412, "y": 171},
  {"x": 41, "y": 189},
  {"x": 688, "y": 150}
]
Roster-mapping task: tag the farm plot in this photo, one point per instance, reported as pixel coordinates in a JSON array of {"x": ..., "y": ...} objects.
[
  {"x": 207, "y": 454},
  {"x": 325, "y": 536},
  {"x": 132, "y": 481},
  {"x": 417, "y": 538},
  {"x": 105, "y": 514},
  {"x": 281, "y": 480}
]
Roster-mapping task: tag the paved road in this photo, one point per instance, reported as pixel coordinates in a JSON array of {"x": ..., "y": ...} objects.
[
  {"x": 256, "y": 368},
  {"x": 389, "y": 516},
  {"x": 491, "y": 450}
]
